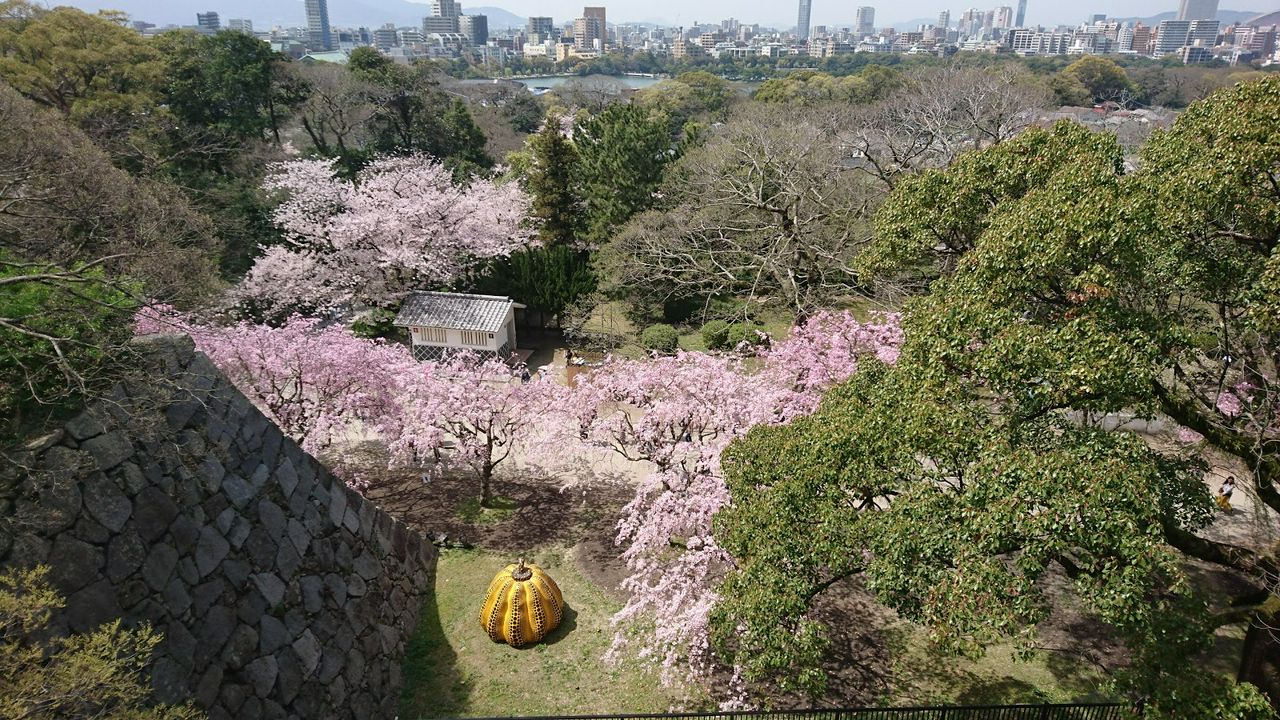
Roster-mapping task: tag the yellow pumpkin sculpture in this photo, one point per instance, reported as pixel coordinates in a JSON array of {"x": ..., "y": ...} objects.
[{"x": 523, "y": 605}]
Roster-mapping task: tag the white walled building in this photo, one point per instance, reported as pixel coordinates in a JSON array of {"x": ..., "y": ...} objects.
[{"x": 441, "y": 323}]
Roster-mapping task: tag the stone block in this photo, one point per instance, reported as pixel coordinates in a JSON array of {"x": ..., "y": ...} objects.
[
  {"x": 241, "y": 648},
  {"x": 211, "y": 549},
  {"x": 124, "y": 555},
  {"x": 367, "y": 566},
  {"x": 185, "y": 533},
  {"x": 287, "y": 560},
  {"x": 205, "y": 595},
  {"x": 206, "y": 692},
  {"x": 239, "y": 492},
  {"x": 106, "y": 503},
  {"x": 169, "y": 681},
  {"x": 311, "y": 587},
  {"x": 85, "y": 425},
  {"x": 307, "y": 648},
  {"x": 237, "y": 572},
  {"x": 271, "y": 587},
  {"x": 299, "y": 536},
  {"x": 179, "y": 644},
  {"x": 153, "y": 512},
  {"x": 262, "y": 675},
  {"x": 176, "y": 597},
  {"x": 73, "y": 564},
  {"x": 159, "y": 566},
  {"x": 92, "y": 606},
  {"x": 109, "y": 449},
  {"x": 272, "y": 519},
  {"x": 272, "y": 635},
  {"x": 217, "y": 627},
  {"x": 290, "y": 678},
  {"x": 211, "y": 473}
]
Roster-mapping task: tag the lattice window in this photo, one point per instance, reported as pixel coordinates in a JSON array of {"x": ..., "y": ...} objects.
[
  {"x": 474, "y": 338},
  {"x": 431, "y": 335}
]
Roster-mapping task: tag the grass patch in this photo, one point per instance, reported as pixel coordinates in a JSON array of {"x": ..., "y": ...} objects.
[
  {"x": 924, "y": 676},
  {"x": 471, "y": 511},
  {"x": 452, "y": 669}
]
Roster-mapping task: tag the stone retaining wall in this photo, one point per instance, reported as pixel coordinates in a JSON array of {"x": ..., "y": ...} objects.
[{"x": 280, "y": 592}]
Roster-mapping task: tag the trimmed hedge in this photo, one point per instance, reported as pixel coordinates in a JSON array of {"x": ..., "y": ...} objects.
[{"x": 660, "y": 338}]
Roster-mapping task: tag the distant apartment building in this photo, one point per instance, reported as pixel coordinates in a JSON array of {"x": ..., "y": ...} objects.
[
  {"x": 475, "y": 28},
  {"x": 1198, "y": 10},
  {"x": 864, "y": 22},
  {"x": 240, "y": 25},
  {"x": 318, "y": 35},
  {"x": 543, "y": 28},
  {"x": 588, "y": 34},
  {"x": 208, "y": 22},
  {"x": 597, "y": 13},
  {"x": 1173, "y": 35},
  {"x": 1032, "y": 42},
  {"x": 437, "y": 25},
  {"x": 944, "y": 19},
  {"x": 445, "y": 8},
  {"x": 386, "y": 37}
]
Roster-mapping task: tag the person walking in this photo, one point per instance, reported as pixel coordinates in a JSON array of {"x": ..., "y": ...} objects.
[{"x": 1225, "y": 491}]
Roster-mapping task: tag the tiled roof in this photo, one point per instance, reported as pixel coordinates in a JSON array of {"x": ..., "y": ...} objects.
[{"x": 454, "y": 310}]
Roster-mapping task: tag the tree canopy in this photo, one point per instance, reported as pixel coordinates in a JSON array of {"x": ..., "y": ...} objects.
[{"x": 961, "y": 477}]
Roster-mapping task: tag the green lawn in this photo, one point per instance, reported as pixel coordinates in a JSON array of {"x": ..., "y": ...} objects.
[{"x": 452, "y": 668}]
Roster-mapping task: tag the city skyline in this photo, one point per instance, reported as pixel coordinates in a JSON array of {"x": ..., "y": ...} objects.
[{"x": 779, "y": 15}]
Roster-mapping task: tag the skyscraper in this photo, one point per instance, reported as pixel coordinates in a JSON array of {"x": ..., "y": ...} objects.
[
  {"x": 475, "y": 28},
  {"x": 865, "y": 21},
  {"x": 802, "y": 22},
  {"x": 944, "y": 18},
  {"x": 1021, "y": 19},
  {"x": 318, "y": 25},
  {"x": 1198, "y": 10}
]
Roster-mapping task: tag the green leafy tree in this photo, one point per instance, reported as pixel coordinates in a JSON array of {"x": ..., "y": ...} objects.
[
  {"x": 956, "y": 480},
  {"x": 1092, "y": 79},
  {"x": 623, "y": 152},
  {"x": 89, "y": 67},
  {"x": 98, "y": 675},
  {"x": 549, "y": 278},
  {"x": 226, "y": 81},
  {"x": 465, "y": 141}
]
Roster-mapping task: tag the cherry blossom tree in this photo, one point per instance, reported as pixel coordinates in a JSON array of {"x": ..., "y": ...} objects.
[
  {"x": 465, "y": 413},
  {"x": 317, "y": 383},
  {"x": 679, "y": 413},
  {"x": 402, "y": 224}
]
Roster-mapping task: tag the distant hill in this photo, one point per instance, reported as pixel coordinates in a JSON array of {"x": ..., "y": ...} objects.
[
  {"x": 266, "y": 13},
  {"x": 1226, "y": 17}
]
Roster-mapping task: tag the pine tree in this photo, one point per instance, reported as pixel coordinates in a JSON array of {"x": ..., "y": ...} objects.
[{"x": 550, "y": 183}]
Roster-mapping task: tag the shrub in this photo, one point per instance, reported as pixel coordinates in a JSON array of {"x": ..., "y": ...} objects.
[
  {"x": 660, "y": 338},
  {"x": 745, "y": 336},
  {"x": 715, "y": 334}
]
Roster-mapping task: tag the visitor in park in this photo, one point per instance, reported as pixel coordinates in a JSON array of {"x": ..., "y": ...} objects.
[
  {"x": 524, "y": 373},
  {"x": 1224, "y": 492}
]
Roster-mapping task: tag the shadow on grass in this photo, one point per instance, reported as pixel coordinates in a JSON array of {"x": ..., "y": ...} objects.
[
  {"x": 568, "y": 623},
  {"x": 433, "y": 685}
]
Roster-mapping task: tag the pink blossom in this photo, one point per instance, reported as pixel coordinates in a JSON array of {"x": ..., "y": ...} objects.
[
  {"x": 1229, "y": 404},
  {"x": 679, "y": 413},
  {"x": 402, "y": 224}
]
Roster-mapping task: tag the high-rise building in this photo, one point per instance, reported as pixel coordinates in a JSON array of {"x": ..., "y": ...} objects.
[
  {"x": 802, "y": 22},
  {"x": 475, "y": 28},
  {"x": 241, "y": 25},
  {"x": 597, "y": 13},
  {"x": 445, "y": 8},
  {"x": 318, "y": 25},
  {"x": 1021, "y": 19},
  {"x": 1004, "y": 18},
  {"x": 1203, "y": 33},
  {"x": 386, "y": 37},
  {"x": 543, "y": 27},
  {"x": 208, "y": 21},
  {"x": 1198, "y": 10},
  {"x": 1171, "y": 36},
  {"x": 865, "y": 21},
  {"x": 433, "y": 24},
  {"x": 587, "y": 34},
  {"x": 944, "y": 19}
]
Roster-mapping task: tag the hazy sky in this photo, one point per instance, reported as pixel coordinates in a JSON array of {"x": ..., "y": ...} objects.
[{"x": 831, "y": 12}]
